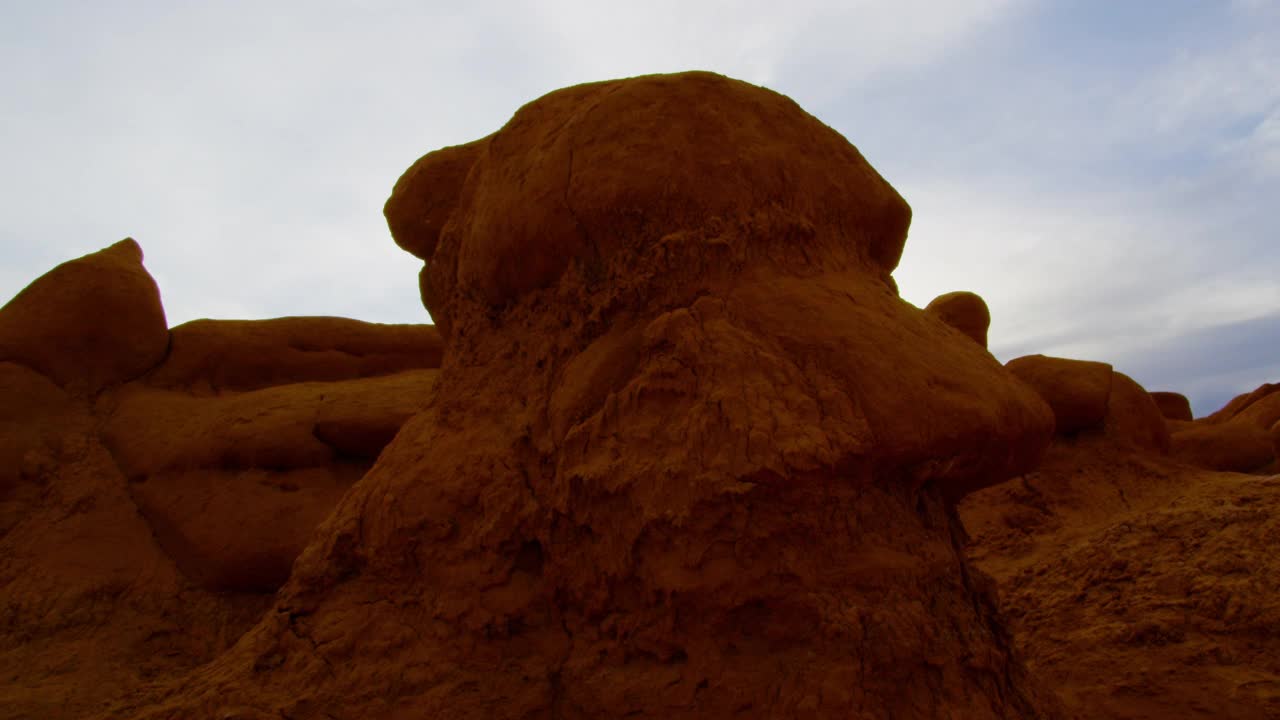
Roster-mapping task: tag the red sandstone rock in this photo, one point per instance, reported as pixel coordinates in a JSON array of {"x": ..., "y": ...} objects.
[
  {"x": 1134, "y": 418},
  {"x": 1264, "y": 412},
  {"x": 964, "y": 311},
  {"x": 1235, "y": 446},
  {"x": 220, "y": 355},
  {"x": 690, "y": 455},
  {"x": 234, "y": 485},
  {"x": 1137, "y": 588},
  {"x": 693, "y": 459},
  {"x": 88, "y": 323},
  {"x": 103, "y": 573},
  {"x": 1240, "y": 403},
  {"x": 425, "y": 196},
  {"x": 1173, "y": 406},
  {"x": 1077, "y": 390}
]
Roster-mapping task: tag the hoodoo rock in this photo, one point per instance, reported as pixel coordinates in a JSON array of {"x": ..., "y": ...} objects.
[
  {"x": 88, "y": 323},
  {"x": 964, "y": 311},
  {"x": 689, "y": 454}
]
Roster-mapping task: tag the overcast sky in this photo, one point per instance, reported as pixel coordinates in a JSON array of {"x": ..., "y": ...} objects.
[{"x": 1104, "y": 173}]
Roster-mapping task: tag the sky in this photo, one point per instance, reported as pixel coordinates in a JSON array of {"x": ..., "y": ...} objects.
[{"x": 1103, "y": 173}]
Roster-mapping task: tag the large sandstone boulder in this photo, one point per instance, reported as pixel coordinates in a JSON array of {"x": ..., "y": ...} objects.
[
  {"x": 1079, "y": 391},
  {"x": 689, "y": 454},
  {"x": 964, "y": 311},
  {"x": 1174, "y": 406},
  {"x": 88, "y": 323}
]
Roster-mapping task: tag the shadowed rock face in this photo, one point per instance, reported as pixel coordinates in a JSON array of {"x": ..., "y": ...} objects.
[
  {"x": 154, "y": 494},
  {"x": 1174, "y": 406},
  {"x": 689, "y": 454}
]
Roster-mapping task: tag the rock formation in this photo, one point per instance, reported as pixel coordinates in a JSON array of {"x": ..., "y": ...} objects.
[
  {"x": 1126, "y": 570},
  {"x": 677, "y": 450},
  {"x": 1236, "y": 438},
  {"x": 156, "y": 486},
  {"x": 1078, "y": 391},
  {"x": 689, "y": 454},
  {"x": 964, "y": 311},
  {"x": 1174, "y": 406},
  {"x": 88, "y": 323}
]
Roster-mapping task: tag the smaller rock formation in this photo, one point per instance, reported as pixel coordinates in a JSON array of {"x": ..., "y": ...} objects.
[
  {"x": 152, "y": 498},
  {"x": 1133, "y": 418},
  {"x": 1236, "y": 438},
  {"x": 88, "y": 323},
  {"x": 1078, "y": 391},
  {"x": 1174, "y": 406},
  {"x": 964, "y": 311},
  {"x": 211, "y": 356},
  {"x": 1228, "y": 447},
  {"x": 1242, "y": 402}
]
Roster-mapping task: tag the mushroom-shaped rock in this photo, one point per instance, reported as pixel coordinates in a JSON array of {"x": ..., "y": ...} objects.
[
  {"x": 964, "y": 311},
  {"x": 1078, "y": 390},
  {"x": 1233, "y": 446},
  {"x": 690, "y": 455},
  {"x": 88, "y": 323},
  {"x": 1173, "y": 406}
]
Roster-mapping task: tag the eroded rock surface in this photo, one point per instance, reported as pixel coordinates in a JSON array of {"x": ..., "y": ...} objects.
[
  {"x": 1133, "y": 580},
  {"x": 153, "y": 499},
  {"x": 689, "y": 454}
]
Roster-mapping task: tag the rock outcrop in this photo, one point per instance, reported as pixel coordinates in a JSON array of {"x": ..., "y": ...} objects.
[
  {"x": 1078, "y": 390},
  {"x": 689, "y": 453},
  {"x": 1174, "y": 406},
  {"x": 154, "y": 495},
  {"x": 964, "y": 311},
  {"x": 212, "y": 356},
  {"x": 88, "y": 323},
  {"x": 1236, "y": 438}
]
